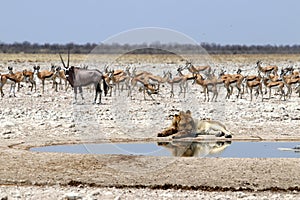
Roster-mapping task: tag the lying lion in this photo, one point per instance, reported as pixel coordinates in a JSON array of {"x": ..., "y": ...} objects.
[{"x": 184, "y": 125}]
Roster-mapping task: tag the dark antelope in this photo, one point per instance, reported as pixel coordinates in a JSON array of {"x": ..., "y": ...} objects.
[{"x": 78, "y": 78}]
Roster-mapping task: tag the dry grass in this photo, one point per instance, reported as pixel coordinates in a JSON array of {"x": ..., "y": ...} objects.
[{"x": 240, "y": 58}]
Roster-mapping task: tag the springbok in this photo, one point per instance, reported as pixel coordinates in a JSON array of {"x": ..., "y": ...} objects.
[
  {"x": 11, "y": 79},
  {"x": 289, "y": 82},
  {"x": 79, "y": 78},
  {"x": 257, "y": 85},
  {"x": 196, "y": 69},
  {"x": 28, "y": 76},
  {"x": 115, "y": 79},
  {"x": 24, "y": 76},
  {"x": 266, "y": 70},
  {"x": 43, "y": 76},
  {"x": 157, "y": 80},
  {"x": 208, "y": 86},
  {"x": 274, "y": 85},
  {"x": 181, "y": 81},
  {"x": 144, "y": 85},
  {"x": 60, "y": 74}
]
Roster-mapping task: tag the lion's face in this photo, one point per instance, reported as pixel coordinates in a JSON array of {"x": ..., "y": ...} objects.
[
  {"x": 185, "y": 122},
  {"x": 181, "y": 122}
]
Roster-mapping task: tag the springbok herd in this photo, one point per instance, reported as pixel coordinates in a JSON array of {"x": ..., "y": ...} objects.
[{"x": 284, "y": 81}]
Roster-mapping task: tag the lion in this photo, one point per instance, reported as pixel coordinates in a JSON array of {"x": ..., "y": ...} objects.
[{"x": 184, "y": 125}]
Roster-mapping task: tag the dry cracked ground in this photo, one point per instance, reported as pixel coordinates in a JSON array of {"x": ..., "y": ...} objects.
[{"x": 35, "y": 119}]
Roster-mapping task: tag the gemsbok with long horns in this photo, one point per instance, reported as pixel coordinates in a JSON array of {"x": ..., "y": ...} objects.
[{"x": 79, "y": 77}]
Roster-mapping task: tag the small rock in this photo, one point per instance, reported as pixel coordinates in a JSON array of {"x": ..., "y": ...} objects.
[
  {"x": 72, "y": 196},
  {"x": 7, "y": 124}
]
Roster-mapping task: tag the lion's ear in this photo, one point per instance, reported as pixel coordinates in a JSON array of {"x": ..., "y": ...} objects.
[
  {"x": 176, "y": 115},
  {"x": 188, "y": 112},
  {"x": 181, "y": 113}
]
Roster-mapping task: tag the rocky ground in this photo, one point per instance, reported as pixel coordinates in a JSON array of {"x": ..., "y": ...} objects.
[{"x": 35, "y": 119}]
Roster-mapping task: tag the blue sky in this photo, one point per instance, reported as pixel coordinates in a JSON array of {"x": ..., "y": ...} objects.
[{"x": 214, "y": 21}]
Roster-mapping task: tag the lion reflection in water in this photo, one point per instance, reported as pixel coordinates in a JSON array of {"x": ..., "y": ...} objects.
[{"x": 195, "y": 149}]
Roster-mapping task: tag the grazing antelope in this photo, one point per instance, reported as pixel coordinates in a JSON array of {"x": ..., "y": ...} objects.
[
  {"x": 266, "y": 70},
  {"x": 143, "y": 85},
  {"x": 43, "y": 76},
  {"x": 208, "y": 86},
  {"x": 79, "y": 78},
  {"x": 274, "y": 85},
  {"x": 157, "y": 80}
]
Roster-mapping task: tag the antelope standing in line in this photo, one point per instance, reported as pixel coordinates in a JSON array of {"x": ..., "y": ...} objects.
[
  {"x": 179, "y": 80},
  {"x": 196, "y": 69},
  {"x": 43, "y": 76},
  {"x": 266, "y": 70},
  {"x": 250, "y": 78},
  {"x": 289, "y": 82},
  {"x": 24, "y": 76},
  {"x": 11, "y": 79},
  {"x": 274, "y": 85},
  {"x": 60, "y": 74},
  {"x": 232, "y": 80},
  {"x": 208, "y": 86},
  {"x": 116, "y": 79},
  {"x": 257, "y": 85}
]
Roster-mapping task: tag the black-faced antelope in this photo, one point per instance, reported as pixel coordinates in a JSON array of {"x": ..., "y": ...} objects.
[
  {"x": 79, "y": 78},
  {"x": 43, "y": 76},
  {"x": 267, "y": 69}
]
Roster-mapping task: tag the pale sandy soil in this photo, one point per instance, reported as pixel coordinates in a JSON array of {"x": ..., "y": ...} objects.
[{"x": 35, "y": 119}]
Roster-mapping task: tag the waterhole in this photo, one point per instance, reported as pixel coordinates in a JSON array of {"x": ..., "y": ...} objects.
[{"x": 225, "y": 149}]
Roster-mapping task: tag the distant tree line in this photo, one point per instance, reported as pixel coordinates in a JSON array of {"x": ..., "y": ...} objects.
[{"x": 155, "y": 48}]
